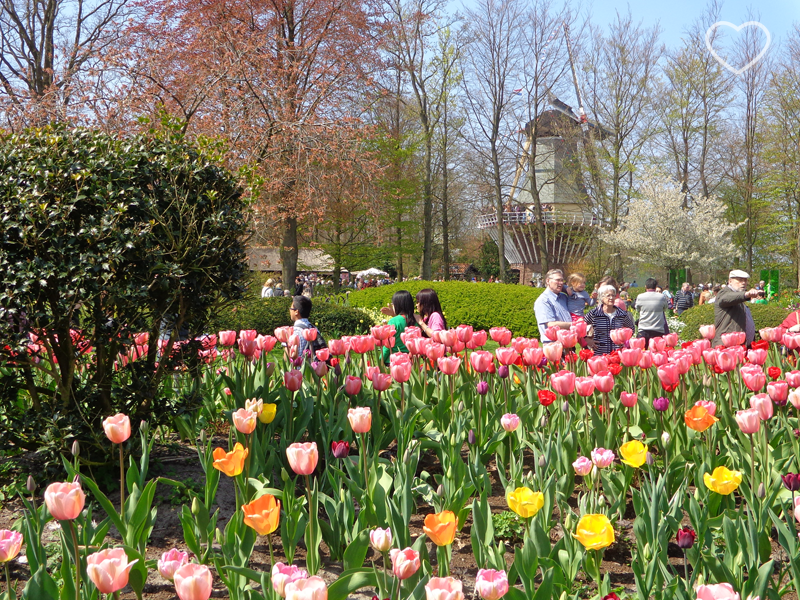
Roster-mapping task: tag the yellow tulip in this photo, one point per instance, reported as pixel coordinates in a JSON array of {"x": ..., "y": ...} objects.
[
  {"x": 441, "y": 527},
  {"x": 262, "y": 514},
  {"x": 525, "y": 502},
  {"x": 231, "y": 463},
  {"x": 594, "y": 532},
  {"x": 267, "y": 414},
  {"x": 634, "y": 453},
  {"x": 722, "y": 480}
]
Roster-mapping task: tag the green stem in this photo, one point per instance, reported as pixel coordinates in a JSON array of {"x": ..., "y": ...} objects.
[
  {"x": 77, "y": 559},
  {"x": 271, "y": 555},
  {"x": 752, "y": 465},
  {"x": 8, "y": 583},
  {"x": 443, "y": 558},
  {"x": 121, "y": 484}
]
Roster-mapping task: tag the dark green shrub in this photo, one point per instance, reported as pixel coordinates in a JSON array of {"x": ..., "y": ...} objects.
[
  {"x": 634, "y": 292},
  {"x": 764, "y": 315},
  {"x": 482, "y": 305},
  {"x": 266, "y": 314}
]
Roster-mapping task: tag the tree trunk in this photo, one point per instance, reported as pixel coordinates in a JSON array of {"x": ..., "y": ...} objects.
[
  {"x": 337, "y": 263},
  {"x": 541, "y": 239},
  {"x": 498, "y": 203},
  {"x": 289, "y": 252},
  {"x": 427, "y": 218},
  {"x": 445, "y": 225}
]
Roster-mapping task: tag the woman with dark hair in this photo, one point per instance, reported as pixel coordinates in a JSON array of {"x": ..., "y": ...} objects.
[
  {"x": 401, "y": 309},
  {"x": 430, "y": 316}
]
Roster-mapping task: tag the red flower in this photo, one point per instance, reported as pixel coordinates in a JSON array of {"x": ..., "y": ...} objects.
[
  {"x": 685, "y": 345},
  {"x": 586, "y": 354},
  {"x": 519, "y": 362},
  {"x": 760, "y": 345},
  {"x": 717, "y": 370},
  {"x": 673, "y": 387},
  {"x": 613, "y": 358},
  {"x": 570, "y": 358},
  {"x": 334, "y": 361},
  {"x": 492, "y": 369},
  {"x": 615, "y": 368},
  {"x": 600, "y": 408},
  {"x": 611, "y": 596},
  {"x": 774, "y": 372},
  {"x": 546, "y": 397}
]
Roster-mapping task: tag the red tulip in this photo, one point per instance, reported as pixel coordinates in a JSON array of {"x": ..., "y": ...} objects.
[
  {"x": 774, "y": 372},
  {"x": 293, "y": 380},
  {"x": 352, "y": 385},
  {"x": 584, "y": 386},
  {"x": 562, "y": 382},
  {"x": 604, "y": 381},
  {"x": 546, "y": 397},
  {"x": 340, "y": 449}
]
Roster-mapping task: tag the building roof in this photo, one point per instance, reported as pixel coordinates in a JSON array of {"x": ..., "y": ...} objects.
[{"x": 267, "y": 258}]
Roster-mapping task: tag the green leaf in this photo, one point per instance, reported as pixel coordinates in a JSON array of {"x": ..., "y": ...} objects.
[
  {"x": 351, "y": 581},
  {"x": 356, "y": 552}
]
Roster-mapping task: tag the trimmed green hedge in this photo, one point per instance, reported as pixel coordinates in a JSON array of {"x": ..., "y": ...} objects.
[
  {"x": 764, "y": 315},
  {"x": 482, "y": 305},
  {"x": 634, "y": 292},
  {"x": 266, "y": 314}
]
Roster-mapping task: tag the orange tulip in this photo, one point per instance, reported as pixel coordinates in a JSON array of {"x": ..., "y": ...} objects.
[
  {"x": 699, "y": 419},
  {"x": 262, "y": 514},
  {"x": 441, "y": 527},
  {"x": 231, "y": 463}
]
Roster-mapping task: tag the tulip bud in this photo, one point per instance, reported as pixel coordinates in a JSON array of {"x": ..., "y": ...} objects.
[
  {"x": 76, "y": 449},
  {"x": 601, "y": 501},
  {"x": 461, "y": 406},
  {"x": 503, "y": 372},
  {"x": 665, "y": 438},
  {"x": 542, "y": 462},
  {"x": 399, "y": 415},
  {"x": 565, "y": 407},
  {"x": 407, "y": 455},
  {"x": 195, "y": 506},
  {"x": 762, "y": 491},
  {"x": 648, "y": 552},
  {"x": 569, "y": 521},
  {"x": 471, "y": 437},
  {"x": 30, "y": 484},
  {"x": 203, "y": 437},
  {"x": 284, "y": 475},
  {"x": 543, "y": 421},
  {"x": 483, "y": 388},
  {"x": 440, "y": 491},
  {"x": 650, "y": 460}
]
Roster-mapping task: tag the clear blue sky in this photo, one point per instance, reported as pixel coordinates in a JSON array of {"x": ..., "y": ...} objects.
[{"x": 676, "y": 15}]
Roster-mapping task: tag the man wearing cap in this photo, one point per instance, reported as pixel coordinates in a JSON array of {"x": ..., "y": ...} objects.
[{"x": 730, "y": 308}]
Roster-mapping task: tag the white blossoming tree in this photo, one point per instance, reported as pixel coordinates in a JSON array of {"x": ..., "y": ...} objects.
[{"x": 661, "y": 231}]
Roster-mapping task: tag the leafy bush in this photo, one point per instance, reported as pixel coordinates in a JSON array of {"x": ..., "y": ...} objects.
[
  {"x": 482, "y": 305},
  {"x": 764, "y": 315},
  {"x": 634, "y": 292}
]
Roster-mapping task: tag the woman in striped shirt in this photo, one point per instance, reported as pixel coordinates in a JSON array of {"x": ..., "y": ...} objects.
[{"x": 605, "y": 318}]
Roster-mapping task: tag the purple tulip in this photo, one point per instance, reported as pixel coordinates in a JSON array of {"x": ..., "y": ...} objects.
[
  {"x": 661, "y": 403},
  {"x": 483, "y": 388}
]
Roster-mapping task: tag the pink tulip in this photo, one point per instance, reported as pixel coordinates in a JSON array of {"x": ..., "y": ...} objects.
[
  {"x": 381, "y": 539},
  {"x": 293, "y": 380},
  {"x": 381, "y": 382},
  {"x": 659, "y": 358},
  {"x": 510, "y": 422},
  {"x": 443, "y": 588},
  {"x": 266, "y": 343},
  {"x": 283, "y": 574},
  {"x": 401, "y": 372},
  {"x": 117, "y": 428},
  {"x": 671, "y": 340},
  {"x": 551, "y": 333},
  {"x": 568, "y": 339},
  {"x": 772, "y": 334},
  {"x": 791, "y": 340},
  {"x": 360, "y": 419},
  {"x": 532, "y": 357},
  {"x": 404, "y": 562},
  {"x": 757, "y": 356},
  {"x": 794, "y": 398},
  {"x": 638, "y": 343},
  {"x": 630, "y": 357},
  {"x": 320, "y": 368},
  {"x": 491, "y": 584},
  {"x": 647, "y": 359},
  {"x": 696, "y": 351},
  {"x": 748, "y": 420},
  {"x": 778, "y": 391},
  {"x": 563, "y": 382},
  {"x": 657, "y": 344},
  {"x": 464, "y": 333},
  {"x": 579, "y": 327},
  {"x": 481, "y": 360},
  {"x": 602, "y": 458},
  {"x": 703, "y": 344},
  {"x": 604, "y": 381},
  {"x": 717, "y": 591},
  {"x": 449, "y": 364},
  {"x": 383, "y": 332},
  {"x": 312, "y": 588},
  {"x": 597, "y": 364},
  {"x": 10, "y": 545},
  {"x": 323, "y": 354},
  {"x": 711, "y": 407},
  {"x": 449, "y": 338},
  {"x": 303, "y": 457},
  {"x": 248, "y": 347},
  {"x": 763, "y": 404},
  {"x": 227, "y": 338},
  {"x": 793, "y": 378},
  {"x": 683, "y": 360},
  {"x": 735, "y": 338},
  {"x": 553, "y": 351},
  {"x": 170, "y": 562},
  {"x": 337, "y": 347},
  {"x": 753, "y": 377},
  {"x": 64, "y": 500},
  {"x": 708, "y": 331},
  {"x": 584, "y": 386},
  {"x": 501, "y": 335},
  {"x": 193, "y": 582},
  {"x": 435, "y": 351},
  {"x": 352, "y": 385},
  {"x": 506, "y": 356},
  {"x": 621, "y": 335},
  {"x": 669, "y": 375},
  {"x": 372, "y": 371},
  {"x": 583, "y": 466},
  {"x": 248, "y": 334},
  {"x": 479, "y": 338},
  {"x": 521, "y": 343},
  {"x": 628, "y": 400},
  {"x": 108, "y": 569},
  {"x": 245, "y": 421},
  {"x": 726, "y": 360}
]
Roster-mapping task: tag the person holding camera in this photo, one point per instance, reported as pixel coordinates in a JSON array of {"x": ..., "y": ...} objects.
[{"x": 730, "y": 308}]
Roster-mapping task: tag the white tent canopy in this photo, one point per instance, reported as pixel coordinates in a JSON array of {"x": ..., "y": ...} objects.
[{"x": 371, "y": 273}]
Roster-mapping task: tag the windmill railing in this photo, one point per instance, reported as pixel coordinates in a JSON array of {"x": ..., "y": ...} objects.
[{"x": 578, "y": 219}]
